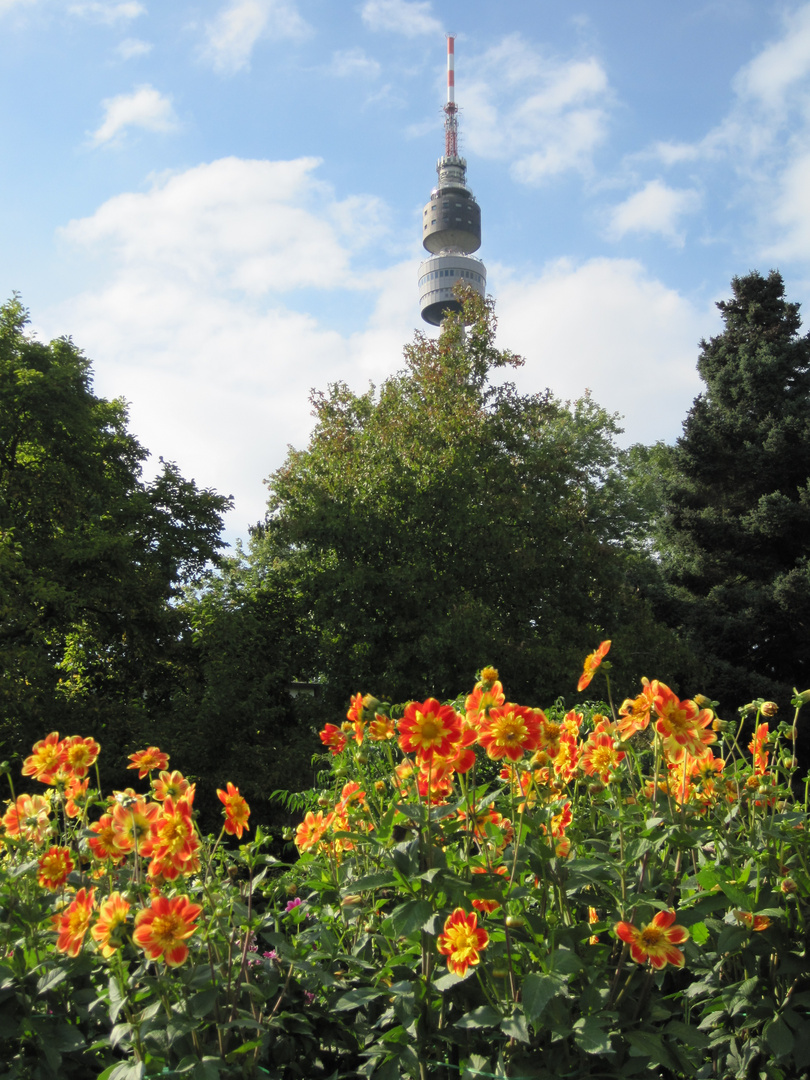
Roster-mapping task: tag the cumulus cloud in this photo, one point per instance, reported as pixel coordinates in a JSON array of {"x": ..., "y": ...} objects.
[
  {"x": 606, "y": 325},
  {"x": 253, "y": 226},
  {"x": 206, "y": 321},
  {"x": 412, "y": 18},
  {"x": 231, "y": 37},
  {"x": 791, "y": 212},
  {"x": 132, "y": 47},
  {"x": 144, "y": 108},
  {"x": 107, "y": 13},
  {"x": 656, "y": 208},
  {"x": 544, "y": 114}
]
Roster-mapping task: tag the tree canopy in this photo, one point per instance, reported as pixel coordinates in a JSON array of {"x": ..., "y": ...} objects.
[
  {"x": 92, "y": 557},
  {"x": 447, "y": 520},
  {"x": 734, "y": 540}
]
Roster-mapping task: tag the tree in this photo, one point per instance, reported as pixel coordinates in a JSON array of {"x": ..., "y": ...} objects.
[
  {"x": 734, "y": 536},
  {"x": 449, "y": 521},
  {"x": 92, "y": 558}
]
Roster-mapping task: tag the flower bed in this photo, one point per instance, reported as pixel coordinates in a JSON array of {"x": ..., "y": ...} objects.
[{"x": 483, "y": 889}]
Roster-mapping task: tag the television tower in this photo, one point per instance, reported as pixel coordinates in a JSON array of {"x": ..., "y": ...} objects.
[{"x": 451, "y": 222}]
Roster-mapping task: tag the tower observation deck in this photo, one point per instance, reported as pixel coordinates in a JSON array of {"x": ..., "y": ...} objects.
[{"x": 451, "y": 222}]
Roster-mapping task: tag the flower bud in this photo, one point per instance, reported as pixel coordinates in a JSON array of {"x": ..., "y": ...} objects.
[
  {"x": 788, "y": 886},
  {"x": 350, "y": 901},
  {"x": 769, "y": 708},
  {"x": 801, "y": 698}
]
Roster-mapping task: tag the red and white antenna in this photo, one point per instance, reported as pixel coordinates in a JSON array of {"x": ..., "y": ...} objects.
[{"x": 451, "y": 109}]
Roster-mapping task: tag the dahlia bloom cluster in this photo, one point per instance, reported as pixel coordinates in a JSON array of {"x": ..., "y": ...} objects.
[{"x": 155, "y": 834}]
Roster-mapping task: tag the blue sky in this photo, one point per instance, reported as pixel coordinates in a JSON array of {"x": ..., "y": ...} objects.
[{"x": 221, "y": 201}]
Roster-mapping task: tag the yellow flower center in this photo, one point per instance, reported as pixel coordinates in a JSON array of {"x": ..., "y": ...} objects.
[
  {"x": 651, "y": 937},
  {"x": 167, "y": 930}
]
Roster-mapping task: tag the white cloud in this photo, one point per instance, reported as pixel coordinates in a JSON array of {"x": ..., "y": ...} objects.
[
  {"x": 252, "y": 226},
  {"x": 234, "y": 33},
  {"x": 607, "y": 326},
  {"x": 145, "y": 108},
  {"x": 191, "y": 324},
  {"x": 409, "y": 17},
  {"x": 132, "y": 47},
  {"x": 545, "y": 115},
  {"x": 107, "y": 13},
  {"x": 354, "y": 62},
  {"x": 780, "y": 65},
  {"x": 791, "y": 213},
  {"x": 656, "y": 208}
]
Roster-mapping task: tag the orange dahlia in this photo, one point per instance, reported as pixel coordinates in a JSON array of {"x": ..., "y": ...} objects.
[
  {"x": 462, "y": 941},
  {"x": 72, "y": 924},
  {"x": 509, "y": 731},
  {"x": 27, "y": 818},
  {"x": 146, "y": 761},
  {"x": 237, "y": 810},
  {"x": 54, "y": 867},
  {"x": 592, "y": 662},
  {"x": 656, "y": 940},
  {"x": 45, "y": 760},
  {"x": 429, "y": 728},
  {"x": 334, "y": 738},
  {"x": 79, "y": 754},
  {"x": 108, "y": 932},
  {"x": 163, "y": 929}
]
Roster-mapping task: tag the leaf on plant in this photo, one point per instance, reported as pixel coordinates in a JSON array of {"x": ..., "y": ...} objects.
[
  {"x": 51, "y": 979},
  {"x": 645, "y": 1044},
  {"x": 410, "y": 916},
  {"x": 356, "y": 999},
  {"x": 515, "y": 1027},
  {"x": 202, "y": 1003},
  {"x": 538, "y": 990},
  {"x": 590, "y": 1036},
  {"x": 779, "y": 1036},
  {"x": 483, "y": 1016}
]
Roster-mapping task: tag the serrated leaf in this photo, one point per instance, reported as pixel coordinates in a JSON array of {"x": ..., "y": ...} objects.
[
  {"x": 591, "y": 1036},
  {"x": 645, "y": 1044},
  {"x": 128, "y": 1070},
  {"x": 515, "y": 1027},
  {"x": 410, "y": 916},
  {"x": 483, "y": 1016},
  {"x": 538, "y": 990}
]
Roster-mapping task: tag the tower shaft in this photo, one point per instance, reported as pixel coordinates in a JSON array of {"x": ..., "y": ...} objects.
[{"x": 451, "y": 221}]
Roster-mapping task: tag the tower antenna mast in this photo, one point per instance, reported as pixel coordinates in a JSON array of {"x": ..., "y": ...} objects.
[{"x": 451, "y": 221}]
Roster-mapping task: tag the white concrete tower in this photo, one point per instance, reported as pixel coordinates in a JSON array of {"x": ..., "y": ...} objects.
[{"x": 451, "y": 222}]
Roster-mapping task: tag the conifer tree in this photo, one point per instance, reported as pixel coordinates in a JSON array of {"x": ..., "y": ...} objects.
[{"x": 736, "y": 530}]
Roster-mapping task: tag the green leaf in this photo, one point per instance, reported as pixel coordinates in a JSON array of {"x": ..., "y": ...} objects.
[
  {"x": 515, "y": 1027},
  {"x": 645, "y": 1044},
  {"x": 370, "y": 881},
  {"x": 356, "y": 999},
  {"x": 538, "y": 990},
  {"x": 483, "y": 1016},
  {"x": 128, "y": 1070},
  {"x": 779, "y": 1037},
  {"x": 590, "y": 1036},
  {"x": 51, "y": 979},
  {"x": 202, "y": 1003},
  {"x": 448, "y": 981},
  {"x": 410, "y": 916}
]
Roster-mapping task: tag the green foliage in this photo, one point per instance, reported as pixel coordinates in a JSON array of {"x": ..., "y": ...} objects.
[
  {"x": 734, "y": 535},
  {"x": 447, "y": 518},
  {"x": 92, "y": 558},
  {"x": 233, "y": 712},
  {"x": 339, "y": 967}
]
